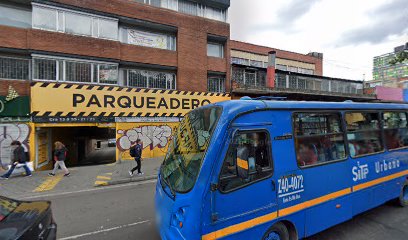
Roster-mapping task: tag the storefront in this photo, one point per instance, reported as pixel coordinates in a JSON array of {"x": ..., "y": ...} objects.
[
  {"x": 98, "y": 124},
  {"x": 14, "y": 117}
]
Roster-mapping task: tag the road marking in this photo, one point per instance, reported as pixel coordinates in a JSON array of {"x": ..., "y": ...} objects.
[
  {"x": 101, "y": 183},
  {"x": 104, "y": 230},
  {"x": 88, "y": 190},
  {"x": 49, "y": 183},
  {"x": 104, "y": 177},
  {"x": 109, "y": 173},
  {"x": 111, "y": 164}
]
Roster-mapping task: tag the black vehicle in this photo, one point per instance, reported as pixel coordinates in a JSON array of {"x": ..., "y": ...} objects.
[{"x": 26, "y": 220}]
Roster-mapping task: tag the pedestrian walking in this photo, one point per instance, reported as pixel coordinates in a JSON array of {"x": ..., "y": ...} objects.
[
  {"x": 136, "y": 152},
  {"x": 18, "y": 157},
  {"x": 60, "y": 154}
]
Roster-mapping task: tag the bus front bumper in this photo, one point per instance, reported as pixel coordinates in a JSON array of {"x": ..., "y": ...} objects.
[{"x": 164, "y": 207}]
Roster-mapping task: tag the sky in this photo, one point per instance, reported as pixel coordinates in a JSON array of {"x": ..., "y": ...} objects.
[{"x": 349, "y": 33}]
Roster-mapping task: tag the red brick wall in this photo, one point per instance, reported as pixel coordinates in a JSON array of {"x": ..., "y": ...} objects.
[
  {"x": 22, "y": 87},
  {"x": 247, "y": 47},
  {"x": 191, "y": 37},
  {"x": 11, "y": 37},
  {"x": 190, "y": 57}
]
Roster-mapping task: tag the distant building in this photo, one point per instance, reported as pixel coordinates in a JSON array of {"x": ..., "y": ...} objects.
[
  {"x": 391, "y": 75},
  {"x": 264, "y": 71}
]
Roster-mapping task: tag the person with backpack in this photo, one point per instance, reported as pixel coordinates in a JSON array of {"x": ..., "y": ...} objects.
[
  {"x": 136, "y": 152},
  {"x": 18, "y": 157},
  {"x": 60, "y": 154}
]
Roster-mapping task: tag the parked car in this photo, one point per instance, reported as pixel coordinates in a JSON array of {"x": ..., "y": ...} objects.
[
  {"x": 29, "y": 220},
  {"x": 112, "y": 142}
]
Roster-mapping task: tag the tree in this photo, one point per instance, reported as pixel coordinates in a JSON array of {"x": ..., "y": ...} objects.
[{"x": 399, "y": 58}]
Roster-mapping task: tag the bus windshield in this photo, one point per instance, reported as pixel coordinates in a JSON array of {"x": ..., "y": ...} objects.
[{"x": 186, "y": 151}]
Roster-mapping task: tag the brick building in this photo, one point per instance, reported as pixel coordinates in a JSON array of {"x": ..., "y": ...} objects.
[
  {"x": 104, "y": 54},
  {"x": 264, "y": 71}
]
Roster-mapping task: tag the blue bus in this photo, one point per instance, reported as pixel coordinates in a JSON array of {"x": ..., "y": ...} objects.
[{"x": 253, "y": 169}]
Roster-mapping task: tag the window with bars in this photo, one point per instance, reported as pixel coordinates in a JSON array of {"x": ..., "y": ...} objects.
[
  {"x": 150, "y": 79},
  {"x": 280, "y": 80},
  {"x": 216, "y": 84},
  {"x": 14, "y": 68},
  {"x": 74, "y": 71}
]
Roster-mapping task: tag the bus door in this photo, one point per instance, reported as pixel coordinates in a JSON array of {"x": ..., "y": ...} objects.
[
  {"x": 245, "y": 187},
  {"x": 320, "y": 153}
]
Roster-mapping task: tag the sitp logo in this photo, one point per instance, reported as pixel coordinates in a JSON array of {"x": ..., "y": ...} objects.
[{"x": 360, "y": 172}]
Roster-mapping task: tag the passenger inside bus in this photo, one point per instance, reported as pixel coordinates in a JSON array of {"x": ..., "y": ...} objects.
[{"x": 307, "y": 154}]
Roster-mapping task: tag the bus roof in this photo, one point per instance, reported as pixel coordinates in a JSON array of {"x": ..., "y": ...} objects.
[{"x": 237, "y": 106}]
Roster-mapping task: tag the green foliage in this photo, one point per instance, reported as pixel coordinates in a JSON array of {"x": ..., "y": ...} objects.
[{"x": 399, "y": 58}]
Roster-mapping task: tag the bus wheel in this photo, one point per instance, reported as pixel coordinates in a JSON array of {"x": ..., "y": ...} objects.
[
  {"x": 277, "y": 232},
  {"x": 403, "y": 199}
]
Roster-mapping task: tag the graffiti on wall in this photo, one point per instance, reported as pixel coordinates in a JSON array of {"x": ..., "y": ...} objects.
[
  {"x": 151, "y": 137},
  {"x": 9, "y": 133}
]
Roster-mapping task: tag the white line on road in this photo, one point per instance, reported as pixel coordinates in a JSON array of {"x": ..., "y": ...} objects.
[
  {"x": 88, "y": 190},
  {"x": 104, "y": 230}
]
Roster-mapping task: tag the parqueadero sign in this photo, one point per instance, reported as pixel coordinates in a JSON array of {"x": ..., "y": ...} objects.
[{"x": 73, "y": 100}]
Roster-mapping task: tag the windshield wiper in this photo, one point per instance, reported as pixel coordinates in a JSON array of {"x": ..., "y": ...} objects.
[{"x": 173, "y": 194}]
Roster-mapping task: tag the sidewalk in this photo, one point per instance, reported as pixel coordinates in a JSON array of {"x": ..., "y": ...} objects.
[
  {"x": 84, "y": 177},
  {"x": 150, "y": 167}
]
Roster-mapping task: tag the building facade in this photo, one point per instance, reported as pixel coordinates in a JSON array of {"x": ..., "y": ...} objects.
[
  {"x": 391, "y": 75},
  {"x": 85, "y": 64},
  {"x": 263, "y": 71}
]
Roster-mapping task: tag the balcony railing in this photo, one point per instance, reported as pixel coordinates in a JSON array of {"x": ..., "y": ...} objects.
[{"x": 286, "y": 82}]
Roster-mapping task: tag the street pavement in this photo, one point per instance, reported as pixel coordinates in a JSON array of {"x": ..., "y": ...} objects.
[
  {"x": 126, "y": 211},
  {"x": 122, "y": 206}
]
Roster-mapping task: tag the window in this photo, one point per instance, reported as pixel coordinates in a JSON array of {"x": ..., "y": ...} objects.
[
  {"x": 44, "y": 18},
  {"x": 214, "y": 13},
  {"x": 73, "y": 70},
  {"x": 215, "y": 50},
  {"x": 188, "y": 7},
  {"x": 319, "y": 138},
  {"x": 14, "y": 68},
  {"x": 252, "y": 146},
  {"x": 363, "y": 133},
  {"x": 395, "y": 129},
  {"x": 148, "y": 39},
  {"x": 216, "y": 84},
  {"x": 240, "y": 61},
  {"x": 45, "y": 69},
  {"x": 78, "y": 71},
  {"x": 280, "y": 81},
  {"x": 150, "y": 79},
  {"x": 281, "y": 67},
  {"x": 63, "y": 20},
  {"x": 15, "y": 16},
  {"x": 78, "y": 24},
  {"x": 256, "y": 63}
]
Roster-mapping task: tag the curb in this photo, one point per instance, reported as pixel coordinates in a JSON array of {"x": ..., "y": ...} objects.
[{"x": 125, "y": 180}]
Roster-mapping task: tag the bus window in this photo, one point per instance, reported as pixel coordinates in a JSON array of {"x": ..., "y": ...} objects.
[
  {"x": 252, "y": 146},
  {"x": 395, "y": 129},
  {"x": 363, "y": 133},
  {"x": 319, "y": 138}
]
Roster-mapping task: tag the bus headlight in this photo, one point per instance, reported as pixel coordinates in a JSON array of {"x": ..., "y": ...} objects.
[{"x": 177, "y": 218}]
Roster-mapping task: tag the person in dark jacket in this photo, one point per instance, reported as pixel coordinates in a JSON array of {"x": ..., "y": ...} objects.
[
  {"x": 60, "y": 154},
  {"x": 136, "y": 152},
  {"x": 18, "y": 157}
]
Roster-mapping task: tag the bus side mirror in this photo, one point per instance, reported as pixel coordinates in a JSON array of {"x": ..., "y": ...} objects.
[{"x": 242, "y": 168}]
